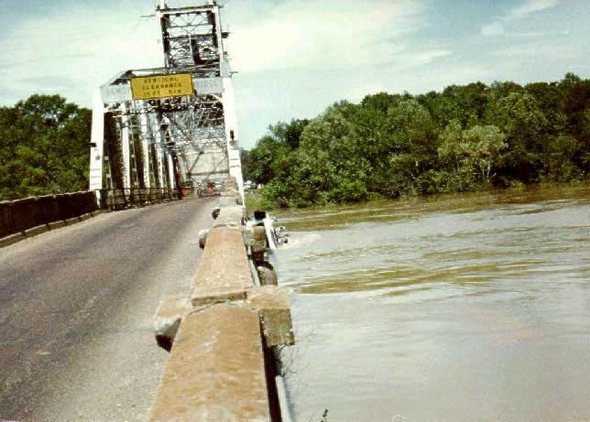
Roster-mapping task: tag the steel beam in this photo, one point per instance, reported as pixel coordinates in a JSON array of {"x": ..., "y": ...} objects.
[{"x": 97, "y": 144}]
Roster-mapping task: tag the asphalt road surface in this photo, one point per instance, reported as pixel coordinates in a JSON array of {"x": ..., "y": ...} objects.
[{"x": 77, "y": 307}]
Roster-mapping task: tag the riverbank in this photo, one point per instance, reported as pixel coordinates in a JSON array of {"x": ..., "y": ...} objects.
[
  {"x": 255, "y": 198},
  {"x": 464, "y": 138}
]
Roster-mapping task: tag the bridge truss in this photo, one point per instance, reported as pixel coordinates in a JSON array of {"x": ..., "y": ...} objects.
[{"x": 160, "y": 138}]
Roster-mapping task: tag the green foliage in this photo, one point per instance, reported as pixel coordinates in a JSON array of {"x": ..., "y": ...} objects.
[
  {"x": 464, "y": 138},
  {"x": 271, "y": 157},
  {"x": 485, "y": 145},
  {"x": 520, "y": 118},
  {"x": 559, "y": 159},
  {"x": 43, "y": 147},
  {"x": 255, "y": 202}
]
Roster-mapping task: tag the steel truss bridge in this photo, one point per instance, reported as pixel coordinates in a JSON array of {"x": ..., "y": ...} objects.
[{"x": 169, "y": 127}]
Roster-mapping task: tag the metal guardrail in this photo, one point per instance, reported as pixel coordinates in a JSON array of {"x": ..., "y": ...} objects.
[{"x": 22, "y": 214}]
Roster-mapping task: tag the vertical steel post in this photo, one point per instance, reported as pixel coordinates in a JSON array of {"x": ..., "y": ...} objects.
[
  {"x": 97, "y": 144},
  {"x": 231, "y": 133},
  {"x": 126, "y": 170},
  {"x": 159, "y": 152},
  {"x": 171, "y": 177},
  {"x": 160, "y": 164},
  {"x": 145, "y": 146}
]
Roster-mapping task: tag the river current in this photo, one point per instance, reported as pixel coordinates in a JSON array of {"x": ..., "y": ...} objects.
[{"x": 451, "y": 308}]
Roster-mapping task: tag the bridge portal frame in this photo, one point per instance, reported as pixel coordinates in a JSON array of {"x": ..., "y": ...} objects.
[{"x": 171, "y": 141}]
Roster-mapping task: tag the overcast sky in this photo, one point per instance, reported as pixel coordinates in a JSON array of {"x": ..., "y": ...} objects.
[{"x": 296, "y": 57}]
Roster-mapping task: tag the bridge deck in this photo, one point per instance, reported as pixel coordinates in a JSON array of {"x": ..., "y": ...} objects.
[{"x": 77, "y": 307}]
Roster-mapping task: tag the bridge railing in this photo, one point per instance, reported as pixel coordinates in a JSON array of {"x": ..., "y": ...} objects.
[
  {"x": 30, "y": 216},
  {"x": 23, "y": 214},
  {"x": 115, "y": 199},
  {"x": 224, "y": 336}
]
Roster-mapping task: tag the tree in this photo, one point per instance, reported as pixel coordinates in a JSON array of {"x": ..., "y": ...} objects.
[
  {"x": 484, "y": 147},
  {"x": 263, "y": 162},
  {"x": 576, "y": 93},
  {"x": 382, "y": 101},
  {"x": 520, "y": 118},
  {"x": 471, "y": 153},
  {"x": 332, "y": 137},
  {"x": 463, "y": 138},
  {"x": 289, "y": 133},
  {"x": 271, "y": 154},
  {"x": 43, "y": 147},
  {"x": 559, "y": 158},
  {"x": 550, "y": 100},
  {"x": 413, "y": 147},
  {"x": 454, "y": 154},
  {"x": 465, "y": 104}
]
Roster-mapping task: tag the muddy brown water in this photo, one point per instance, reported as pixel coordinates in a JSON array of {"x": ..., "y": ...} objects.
[{"x": 473, "y": 307}]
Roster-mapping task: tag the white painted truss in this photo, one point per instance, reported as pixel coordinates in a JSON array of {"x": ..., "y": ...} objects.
[{"x": 174, "y": 142}]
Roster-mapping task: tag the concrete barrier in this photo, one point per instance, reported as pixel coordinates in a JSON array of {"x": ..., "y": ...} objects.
[
  {"x": 216, "y": 371},
  {"x": 223, "y": 273},
  {"x": 272, "y": 305},
  {"x": 221, "y": 337},
  {"x": 170, "y": 314}
]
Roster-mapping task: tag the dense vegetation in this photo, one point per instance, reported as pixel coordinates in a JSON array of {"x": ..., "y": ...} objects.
[
  {"x": 462, "y": 139},
  {"x": 44, "y": 147}
]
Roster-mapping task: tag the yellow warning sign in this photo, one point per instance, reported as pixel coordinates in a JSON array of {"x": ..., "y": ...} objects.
[{"x": 162, "y": 86}]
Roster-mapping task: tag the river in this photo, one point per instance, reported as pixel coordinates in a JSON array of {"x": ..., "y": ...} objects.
[{"x": 472, "y": 307}]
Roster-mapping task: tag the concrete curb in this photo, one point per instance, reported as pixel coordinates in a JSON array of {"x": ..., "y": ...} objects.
[
  {"x": 56, "y": 225},
  {"x": 17, "y": 237},
  {"x": 13, "y": 238},
  {"x": 36, "y": 230}
]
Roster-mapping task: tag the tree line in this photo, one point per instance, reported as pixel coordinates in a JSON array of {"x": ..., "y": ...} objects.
[
  {"x": 44, "y": 147},
  {"x": 464, "y": 138}
]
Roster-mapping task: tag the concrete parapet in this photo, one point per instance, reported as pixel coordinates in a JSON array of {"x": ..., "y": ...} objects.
[
  {"x": 221, "y": 337},
  {"x": 231, "y": 183},
  {"x": 54, "y": 225},
  {"x": 272, "y": 305},
  {"x": 231, "y": 216},
  {"x": 270, "y": 302},
  {"x": 229, "y": 201},
  {"x": 168, "y": 318},
  {"x": 72, "y": 220},
  {"x": 216, "y": 370},
  {"x": 223, "y": 274},
  {"x": 85, "y": 217}
]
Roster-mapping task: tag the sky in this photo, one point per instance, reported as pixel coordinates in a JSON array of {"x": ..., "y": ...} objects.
[{"x": 295, "y": 58}]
